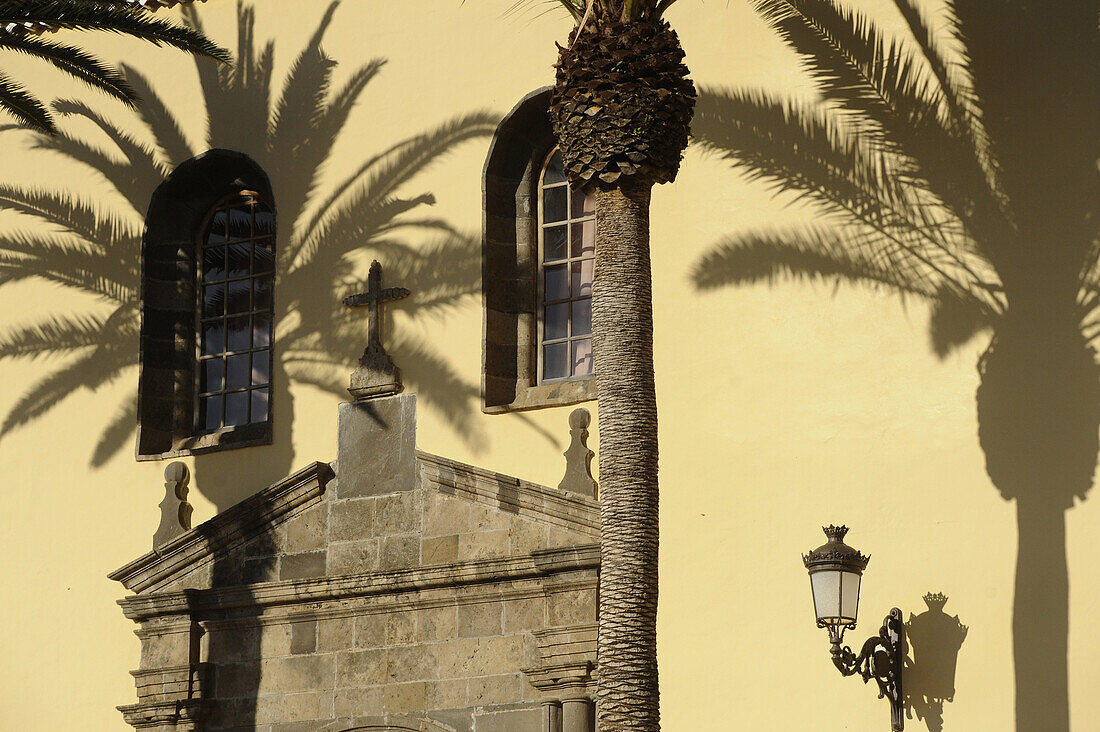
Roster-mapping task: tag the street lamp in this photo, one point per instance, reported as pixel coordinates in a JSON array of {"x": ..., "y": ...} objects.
[{"x": 835, "y": 573}]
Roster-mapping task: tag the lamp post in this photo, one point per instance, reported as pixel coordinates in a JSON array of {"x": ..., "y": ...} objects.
[{"x": 836, "y": 570}]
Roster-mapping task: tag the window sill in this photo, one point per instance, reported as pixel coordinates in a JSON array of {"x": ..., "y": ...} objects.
[
  {"x": 228, "y": 438},
  {"x": 555, "y": 394}
]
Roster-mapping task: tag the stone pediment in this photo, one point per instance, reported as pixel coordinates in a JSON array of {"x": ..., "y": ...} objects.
[
  {"x": 232, "y": 528},
  {"x": 391, "y": 589}
]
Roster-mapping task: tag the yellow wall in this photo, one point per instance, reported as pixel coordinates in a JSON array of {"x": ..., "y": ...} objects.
[{"x": 782, "y": 408}]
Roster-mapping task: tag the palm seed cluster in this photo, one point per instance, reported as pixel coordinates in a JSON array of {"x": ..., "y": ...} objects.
[{"x": 623, "y": 103}]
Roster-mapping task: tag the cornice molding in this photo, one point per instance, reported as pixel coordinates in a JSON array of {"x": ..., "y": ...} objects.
[
  {"x": 511, "y": 495},
  {"x": 229, "y": 529}
]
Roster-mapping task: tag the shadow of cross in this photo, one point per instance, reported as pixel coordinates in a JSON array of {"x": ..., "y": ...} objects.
[{"x": 377, "y": 375}]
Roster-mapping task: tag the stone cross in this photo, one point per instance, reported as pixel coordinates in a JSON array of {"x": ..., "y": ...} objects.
[
  {"x": 377, "y": 375},
  {"x": 578, "y": 458},
  {"x": 175, "y": 511}
]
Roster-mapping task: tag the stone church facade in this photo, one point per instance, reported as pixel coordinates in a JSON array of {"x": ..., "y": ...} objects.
[{"x": 389, "y": 590}]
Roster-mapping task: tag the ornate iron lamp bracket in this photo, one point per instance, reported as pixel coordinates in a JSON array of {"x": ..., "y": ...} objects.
[{"x": 881, "y": 658}]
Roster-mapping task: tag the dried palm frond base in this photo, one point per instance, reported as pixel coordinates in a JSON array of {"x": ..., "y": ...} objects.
[{"x": 623, "y": 103}]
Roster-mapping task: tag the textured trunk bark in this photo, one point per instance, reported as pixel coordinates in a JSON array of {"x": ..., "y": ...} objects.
[
  {"x": 1040, "y": 623},
  {"x": 622, "y": 332}
]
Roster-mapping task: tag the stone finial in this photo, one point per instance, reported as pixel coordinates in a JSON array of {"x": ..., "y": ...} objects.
[
  {"x": 377, "y": 375},
  {"x": 175, "y": 511},
  {"x": 578, "y": 458}
]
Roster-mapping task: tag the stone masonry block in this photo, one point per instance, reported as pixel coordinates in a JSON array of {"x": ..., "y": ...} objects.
[
  {"x": 401, "y": 628},
  {"x": 439, "y": 550},
  {"x": 398, "y": 513},
  {"x": 436, "y": 623},
  {"x": 298, "y": 673},
  {"x": 499, "y": 689},
  {"x": 572, "y": 607},
  {"x": 411, "y": 663},
  {"x": 480, "y": 619},
  {"x": 352, "y": 557},
  {"x": 377, "y": 443},
  {"x": 524, "y": 614},
  {"x": 357, "y": 702},
  {"x": 510, "y": 720},
  {"x": 483, "y": 545},
  {"x": 308, "y": 531},
  {"x": 447, "y": 694},
  {"x": 351, "y": 520},
  {"x": 308, "y": 706},
  {"x": 444, "y": 515},
  {"x": 399, "y": 552},
  {"x": 335, "y": 634},
  {"x": 360, "y": 668},
  {"x": 303, "y": 637},
  {"x": 370, "y": 631},
  {"x": 301, "y": 566},
  {"x": 399, "y": 698},
  {"x": 525, "y": 537}
]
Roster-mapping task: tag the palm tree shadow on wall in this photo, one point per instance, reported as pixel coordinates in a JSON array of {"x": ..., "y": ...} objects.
[
  {"x": 966, "y": 180},
  {"x": 325, "y": 239}
]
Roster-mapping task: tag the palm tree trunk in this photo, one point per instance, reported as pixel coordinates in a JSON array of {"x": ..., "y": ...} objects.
[
  {"x": 622, "y": 331},
  {"x": 1040, "y": 624}
]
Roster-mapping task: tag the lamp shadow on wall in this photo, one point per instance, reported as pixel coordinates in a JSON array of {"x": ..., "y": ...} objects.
[
  {"x": 934, "y": 640},
  {"x": 976, "y": 196}
]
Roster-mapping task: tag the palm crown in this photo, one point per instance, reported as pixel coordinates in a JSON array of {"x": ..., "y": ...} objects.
[{"x": 322, "y": 239}]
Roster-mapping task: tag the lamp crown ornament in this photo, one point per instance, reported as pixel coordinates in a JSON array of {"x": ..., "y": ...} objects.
[
  {"x": 835, "y": 551},
  {"x": 935, "y": 600}
]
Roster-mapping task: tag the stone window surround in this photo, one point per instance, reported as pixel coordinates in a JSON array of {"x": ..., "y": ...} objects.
[
  {"x": 519, "y": 149},
  {"x": 169, "y": 257}
]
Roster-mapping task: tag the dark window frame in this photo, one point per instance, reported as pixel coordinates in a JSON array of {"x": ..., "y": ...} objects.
[
  {"x": 510, "y": 272},
  {"x": 171, "y": 246}
]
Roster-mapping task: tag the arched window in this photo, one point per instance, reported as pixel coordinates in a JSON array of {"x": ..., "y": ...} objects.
[
  {"x": 236, "y": 277},
  {"x": 207, "y": 290},
  {"x": 567, "y": 246},
  {"x": 536, "y": 270}
]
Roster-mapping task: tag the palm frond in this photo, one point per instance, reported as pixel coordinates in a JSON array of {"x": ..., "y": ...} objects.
[
  {"x": 28, "y": 109},
  {"x": 377, "y": 179},
  {"x": 130, "y": 20},
  {"x": 91, "y": 370},
  {"x": 54, "y": 335},
  {"x": 78, "y": 216},
  {"x": 74, "y": 61},
  {"x": 116, "y": 434},
  {"x": 957, "y": 319},
  {"x": 171, "y": 142}
]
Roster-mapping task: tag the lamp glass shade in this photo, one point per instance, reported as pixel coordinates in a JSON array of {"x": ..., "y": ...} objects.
[{"x": 836, "y": 596}]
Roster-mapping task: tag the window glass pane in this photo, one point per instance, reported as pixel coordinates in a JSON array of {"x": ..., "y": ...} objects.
[
  {"x": 555, "y": 170},
  {"x": 582, "y": 278},
  {"x": 263, "y": 258},
  {"x": 212, "y": 371},
  {"x": 553, "y": 240},
  {"x": 213, "y": 301},
  {"x": 555, "y": 361},
  {"x": 236, "y": 376},
  {"x": 210, "y": 409},
  {"x": 216, "y": 233},
  {"x": 582, "y": 357},
  {"x": 261, "y": 368},
  {"x": 583, "y": 238},
  {"x": 240, "y": 223},
  {"x": 213, "y": 264},
  {"x": 581, "y": 205},
  {"x": 553, "y": 204},
  {"x": 239, "y": 334},
  {"x": 261, "y": 332},
  {"x": 259, "y": 405},
  {"x": 557, "y": 283},
  {"x": 556, "y": 324},
  {"x": 213, "y": 338},
  {"x": 238, "y": 259},
  {"x": 236, "y": 408},
  {"x": 264, "y": 221},
  {"x": 239, "y": 296},
  {"x": 263, "y": 293},
  {"x": 582, "y": 317}
]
